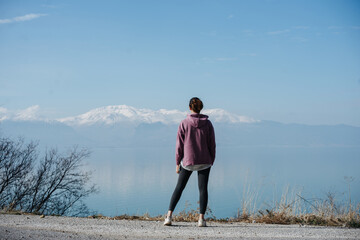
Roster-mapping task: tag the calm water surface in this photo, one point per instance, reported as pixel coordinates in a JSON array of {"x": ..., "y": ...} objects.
[{"x": 141, "y": 180}]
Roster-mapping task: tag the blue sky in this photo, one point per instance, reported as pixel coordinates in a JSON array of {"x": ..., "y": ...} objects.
[{"x": 287, "y": 61}]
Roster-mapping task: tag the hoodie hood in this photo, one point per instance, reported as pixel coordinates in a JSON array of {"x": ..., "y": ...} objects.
[{"x": 197, "y": 120}]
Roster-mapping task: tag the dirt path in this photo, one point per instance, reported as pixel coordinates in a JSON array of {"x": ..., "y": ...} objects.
[{"x": 34, "y": 227}]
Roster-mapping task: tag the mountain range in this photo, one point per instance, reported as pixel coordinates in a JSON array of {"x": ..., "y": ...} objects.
[{"x": 121, "y": 125}]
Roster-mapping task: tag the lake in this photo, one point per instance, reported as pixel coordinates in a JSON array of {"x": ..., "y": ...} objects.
[{"x": 141, "y": 180}]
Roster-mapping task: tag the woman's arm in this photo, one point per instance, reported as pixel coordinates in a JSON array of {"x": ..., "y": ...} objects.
[
  {"x": 212, "y": 143},
  {"x": 180, "y": 144}
]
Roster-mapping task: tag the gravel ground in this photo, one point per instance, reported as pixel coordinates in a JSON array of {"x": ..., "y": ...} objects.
[{"x": 33, "y": 227}]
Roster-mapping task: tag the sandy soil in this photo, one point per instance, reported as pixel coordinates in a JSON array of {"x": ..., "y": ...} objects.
[{"x": 34, "y": 227}]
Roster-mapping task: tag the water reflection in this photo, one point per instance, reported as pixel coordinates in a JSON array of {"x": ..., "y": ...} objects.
[{"x": 136, "y": 181}]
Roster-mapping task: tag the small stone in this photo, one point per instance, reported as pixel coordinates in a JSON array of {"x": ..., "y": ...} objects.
[{"x": 42, "y": 216}]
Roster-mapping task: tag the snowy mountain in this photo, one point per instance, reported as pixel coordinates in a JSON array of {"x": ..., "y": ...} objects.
[
  {"x": 121, "y": 113},
  {"x": 121, "y": 125},
  {"x": 110, "y": 115},
  {"x": 29, "y": 114}
]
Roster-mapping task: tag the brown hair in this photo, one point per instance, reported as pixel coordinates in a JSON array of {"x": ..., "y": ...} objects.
[{"x": 196, "y": 104}]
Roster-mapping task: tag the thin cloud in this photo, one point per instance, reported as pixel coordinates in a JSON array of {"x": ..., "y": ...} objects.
[
  {"x": 279, "y": 32},
  {"x": 301, "y": 27},
  {"x": 49, "y": 6},
  {"x": 228, "y": 59},
  {"x": 300, "y": 39},
  {"x": 334, "y": 27},
  {"x": 249, "y": 54},
  {"x": 248, "y": 33},
  {"x": 5, "y": 21},
  {"x": 210, "y": 33},
  {"x": 26, "y": 17},
  {"x": 231, "y": 16},
  {"x": 225, "y": 59},
  {"x": 220, "y": 59}
]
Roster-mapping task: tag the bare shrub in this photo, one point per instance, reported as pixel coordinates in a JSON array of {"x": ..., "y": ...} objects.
[
  {"x": 56, "y": 186},
  {"x": 16, "y": 165}
]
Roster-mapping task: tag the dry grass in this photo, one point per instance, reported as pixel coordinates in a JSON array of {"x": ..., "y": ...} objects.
[
  {"x": 286, "y": 211},
  {"x": 293, "y": 208},
  {"x": 190, "y": 215}
]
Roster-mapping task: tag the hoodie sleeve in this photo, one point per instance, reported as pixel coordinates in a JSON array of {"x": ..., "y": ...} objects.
[
  {"x": 211, "y": 143},
  {"x": 180, "y": 143}
]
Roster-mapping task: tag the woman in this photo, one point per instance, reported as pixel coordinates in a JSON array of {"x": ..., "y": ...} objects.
[{"x": 195, "y": 151}]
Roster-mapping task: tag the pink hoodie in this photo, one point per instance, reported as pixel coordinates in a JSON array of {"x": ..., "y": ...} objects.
[{"x": 195, "y": 142}]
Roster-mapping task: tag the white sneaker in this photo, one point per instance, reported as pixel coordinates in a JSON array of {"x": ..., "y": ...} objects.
[
  {"x": 201, "y": 223},
  {"x": 167, "y": 221}
]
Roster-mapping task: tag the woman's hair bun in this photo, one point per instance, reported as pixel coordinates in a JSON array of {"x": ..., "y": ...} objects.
[{"x": 196, "y": 104}]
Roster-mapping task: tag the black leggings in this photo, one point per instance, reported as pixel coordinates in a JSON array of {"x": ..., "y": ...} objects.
[{"x": 184, "y": 175}]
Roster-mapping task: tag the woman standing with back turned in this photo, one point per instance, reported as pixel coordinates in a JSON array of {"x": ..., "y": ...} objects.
[{"x": 195, "y": 151}]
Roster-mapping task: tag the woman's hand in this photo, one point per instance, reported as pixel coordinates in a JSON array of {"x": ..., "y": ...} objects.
[{"x": 177, "y": 168}]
